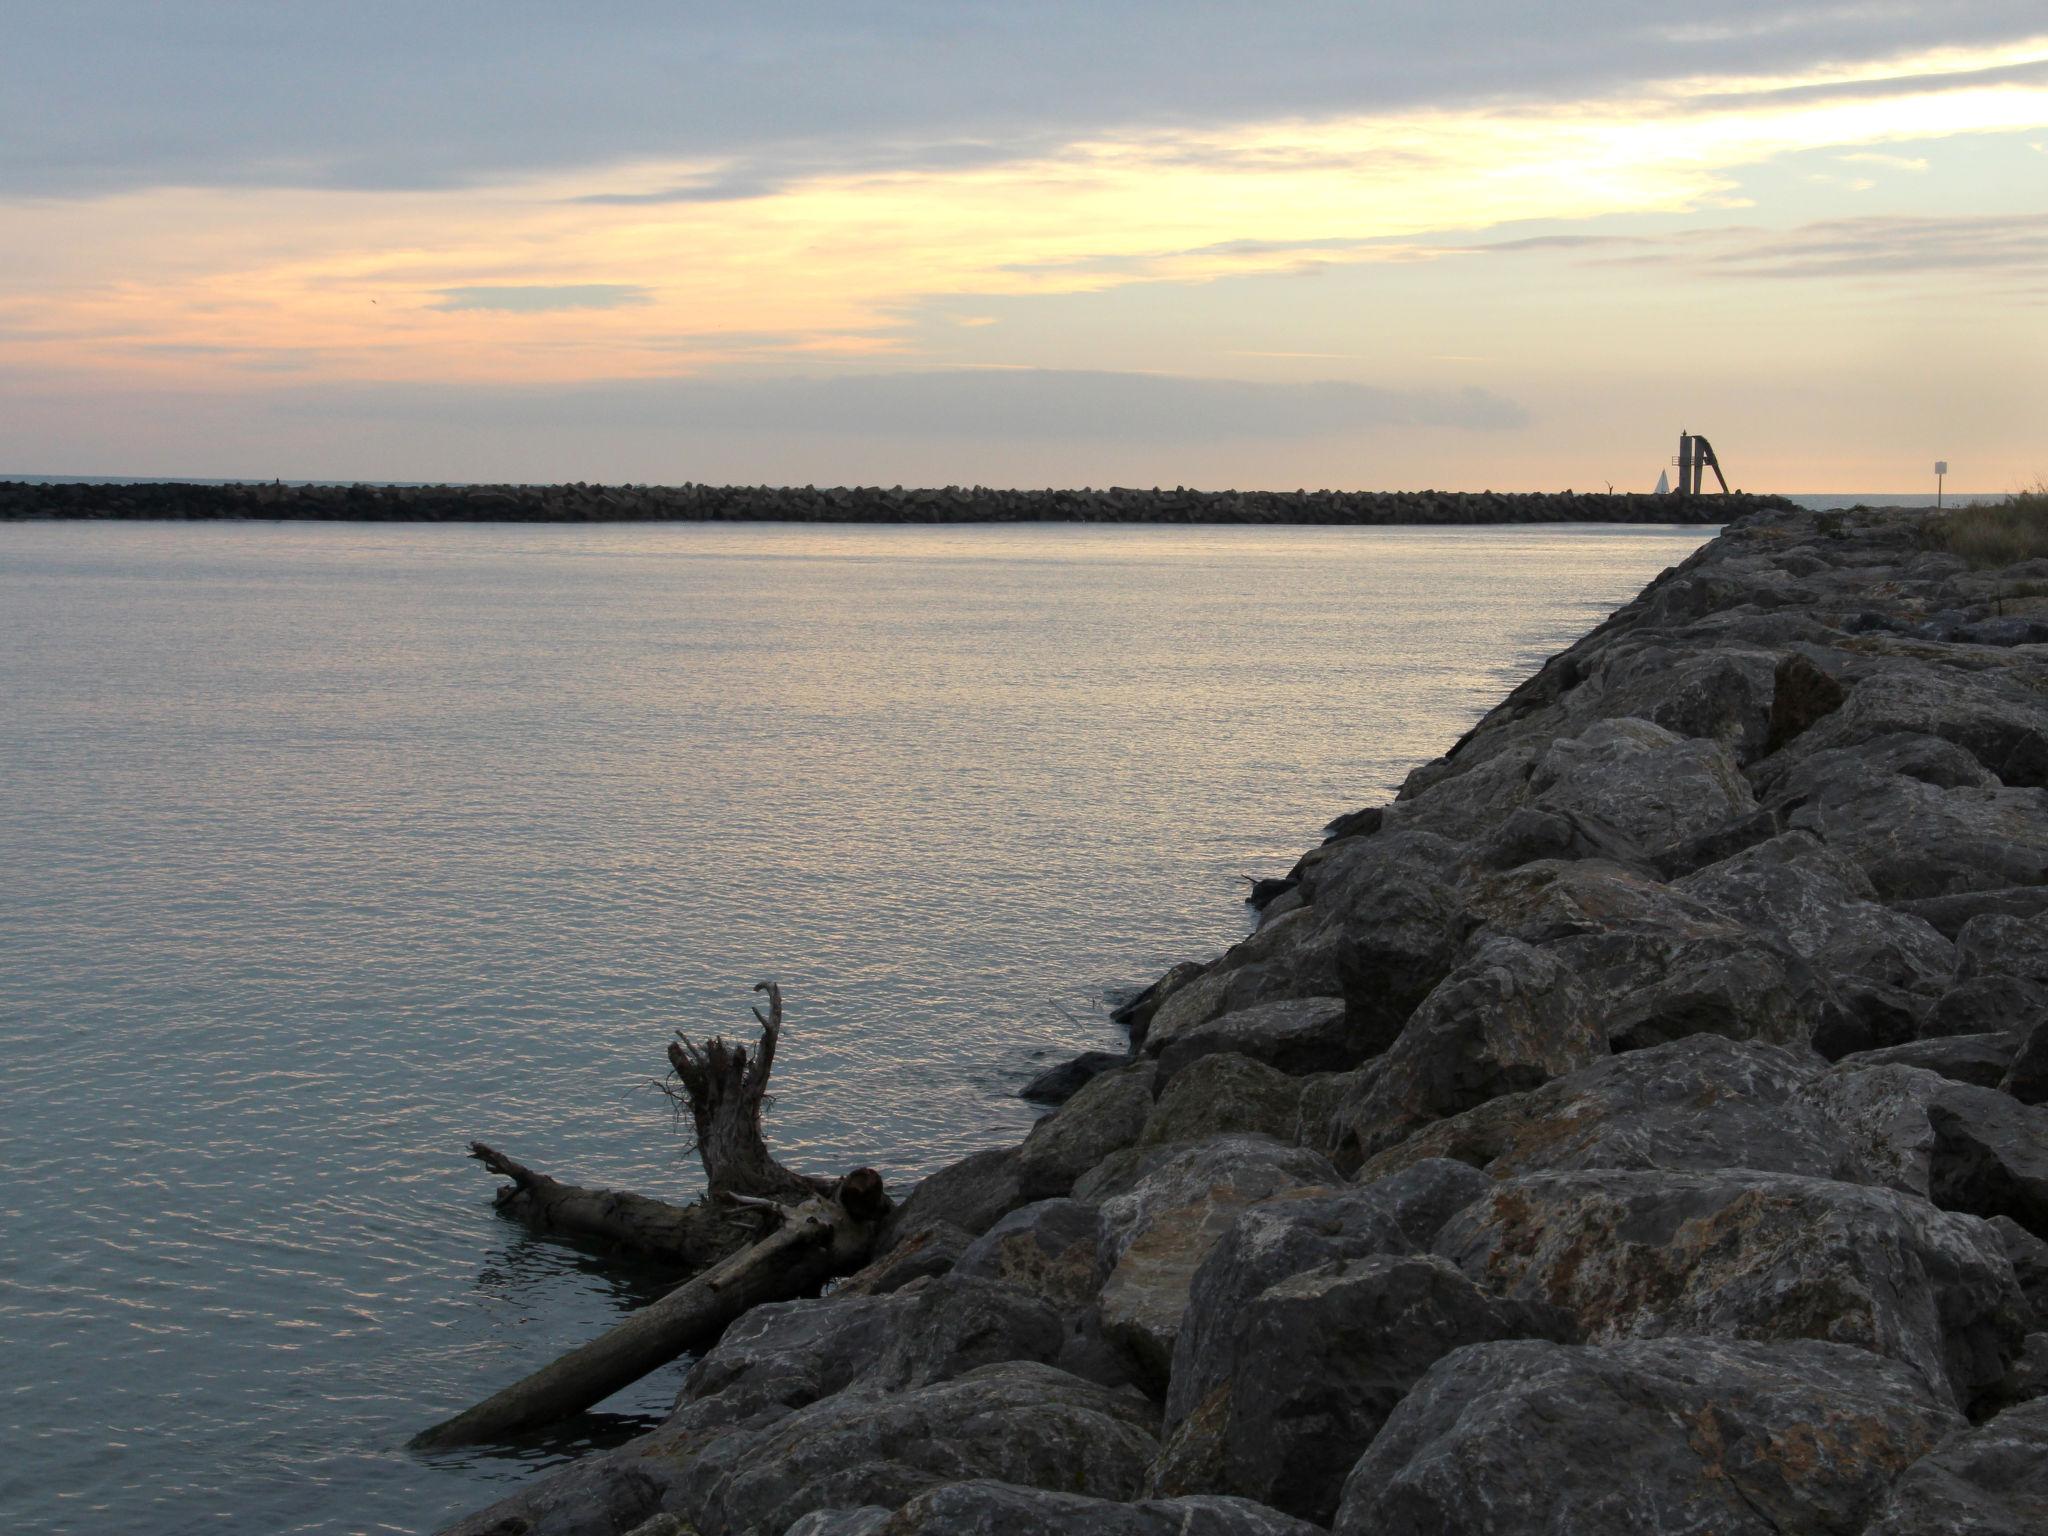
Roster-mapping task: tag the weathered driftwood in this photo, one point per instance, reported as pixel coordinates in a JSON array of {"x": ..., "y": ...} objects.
[
  {"x": 723, "y": 1087},
  {"x": 820, "y": 1238},
  {"x": 725, "y": 1091},
  {"x": 691, "y": 1237},
  {"x": 762, "y": 1233}
]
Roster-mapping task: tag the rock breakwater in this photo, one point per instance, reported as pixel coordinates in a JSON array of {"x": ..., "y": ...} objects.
[
  {"x": 1635, "y": 1125},
  {"x": 580, "y": 503}
]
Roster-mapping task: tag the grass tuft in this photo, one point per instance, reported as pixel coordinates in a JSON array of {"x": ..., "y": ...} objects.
[{"x": 1996, "y": 533}]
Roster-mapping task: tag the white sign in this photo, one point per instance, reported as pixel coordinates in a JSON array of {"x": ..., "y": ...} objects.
[{"x": 1941, "y": 466}]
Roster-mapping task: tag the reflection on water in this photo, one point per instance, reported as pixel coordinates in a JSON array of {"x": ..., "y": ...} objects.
[{"x": 324, "y": 849}]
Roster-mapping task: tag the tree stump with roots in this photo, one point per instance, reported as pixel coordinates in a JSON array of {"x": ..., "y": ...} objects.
[{"x": 762, "y": 1232}]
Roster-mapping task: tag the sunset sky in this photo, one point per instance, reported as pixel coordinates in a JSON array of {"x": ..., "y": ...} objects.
[{"x": 1356, "y": 245}]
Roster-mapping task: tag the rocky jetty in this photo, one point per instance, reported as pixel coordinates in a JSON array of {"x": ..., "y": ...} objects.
[
  {"x": 582, "y": 503},
  {"x": 1636, "y": 1125}
]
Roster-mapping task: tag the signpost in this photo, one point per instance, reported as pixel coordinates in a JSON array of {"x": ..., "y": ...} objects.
[{"x": 1940, "y": 474}]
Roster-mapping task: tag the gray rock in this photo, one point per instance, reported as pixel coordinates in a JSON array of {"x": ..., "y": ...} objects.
[
  {"x": 1990, "y": 1156},
  {"x": 1399, "y": 919},
  {"x": 1464, "y": 801},
  {"x": 1015, "y": 1423},
  {"x": 670, "y": 1525},
  {"x": 1293, "y": 954},
  {"x": 1508, "y": 1019},
  {"x": 932, "y": 1249},
  {"x": 1060, "y": 1082},
  {"x": 1280, "y": 1236},
  {"x": 2029, "y": 1257},
  {"x": 1641, "y": 782},
  {"x": 1319, "y": 1360},
  {"x": 1047, "y": 1249},
  {"x": 1803, "y": 693},
  {"x": 1659, "y": 964},
  {"x": 1824, "y": 907},
  {"x": 984, "y": 1508},
  {"x": 1726, "y": 694},
  {"x": 1752, "y": 1255},
  {"x": 1980, "y": 1059},
  {"x": 1683, "y": 1437},
  {"x": 1102, "y": 1118},
  {"x": 1155, "y": 1237},
  {"x": 864, "y": 1521},
  {"x": 2025, "y": 1382},
  {"x": 971, "y": 1195},
  {"x": 1948, "y": 914},
  {"x": 1916, "y": 839},
  {"x": 1963, "y": 1147},
  {"x": 1223, "y": 1094},
  {"x": 1987, "y": 1005},
  {"x": 1136, "y": 1014},
  {"x": 1698, "y": 1104},
  {"x": 1295, "y": 1034},
  {"x": 948, "y": 1327},
  {"x": 1427, "y": 1193},
  {"x": 1996, "y": 944},
  {"x": 1989, "y": 1481},
  {"x": 1995, "y": 720},
  {"x": 2026, "y": 1074}
]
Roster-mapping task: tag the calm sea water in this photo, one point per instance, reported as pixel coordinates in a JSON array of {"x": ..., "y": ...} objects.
[{"x": 325, "y": 848}]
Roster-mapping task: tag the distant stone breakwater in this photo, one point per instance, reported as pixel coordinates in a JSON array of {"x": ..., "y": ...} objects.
[
  {"x": 585, "y": 503},
  {"x": 1639, "y": 1123}
]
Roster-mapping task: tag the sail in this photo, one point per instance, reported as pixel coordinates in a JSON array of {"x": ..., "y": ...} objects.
[{"x": 1663, "y": 482}]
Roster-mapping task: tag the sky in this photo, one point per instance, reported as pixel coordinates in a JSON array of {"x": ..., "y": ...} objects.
[{"x": 1358, "y": 245}]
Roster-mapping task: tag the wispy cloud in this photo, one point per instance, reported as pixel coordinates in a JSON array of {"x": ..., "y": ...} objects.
[{"x": 1832, "y": 249}]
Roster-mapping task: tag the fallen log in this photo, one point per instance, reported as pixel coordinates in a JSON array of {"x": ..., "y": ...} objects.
[
  {"x": 823, "y": 1237},
  {"x": 723, "y": 1088},
  {"x": 691, "y": 1237}
]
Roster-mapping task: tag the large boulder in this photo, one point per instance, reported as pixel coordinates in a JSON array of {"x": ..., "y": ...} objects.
[
  {"x": 1278, "y": 1237},
  {"x": 1889, "y": 967},
  {"x": 1659, "y": 964},
  {"x": 1510, "y": 1018},
  {"x": 1061, "y": 1081},
  {"x": 1047, "y": 1249},
  {"x": 1963, "y": 1147},
  {"x": 983, "y": 1508},
  {"x": 1983, "y": 1059},
  {"x": 1318, "y": 1360},
  {"x": 1224, "y": 1094},
  {"x": 1398, "y": 916},
  {"x": 1291, "y": 1034},
  {"x": 970, "y": 1195},
  {"x": 1683, "y": 1437},
  {"x": 1998, "y": 719},
  {"x": 1915, "y": 839},
  {"x": 1743, "y": 1254},
  {"x": 1104, "y": 1117},
  {"x": 1155, "y": 1236},
  {"x": 1642, "y": 783},
  {"x": 1292, "y": 954},
  {"x": 1701, "y": 1103},
  {"x": 1018, "y": 1422},
  {"x": 1989, "y": 1481}
]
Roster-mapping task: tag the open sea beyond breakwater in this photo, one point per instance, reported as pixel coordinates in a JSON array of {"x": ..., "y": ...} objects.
[{"x": 328, "y": 846}]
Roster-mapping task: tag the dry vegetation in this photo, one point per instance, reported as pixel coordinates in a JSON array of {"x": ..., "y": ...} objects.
[{"x": 1996, "y": 533}]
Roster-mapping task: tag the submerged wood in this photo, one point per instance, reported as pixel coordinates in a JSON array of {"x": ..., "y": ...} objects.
[
  {"x": 724, "y": 1088},
  {"x": 691, "y": 1237},
  {"x": 814, "y": 1241}
]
